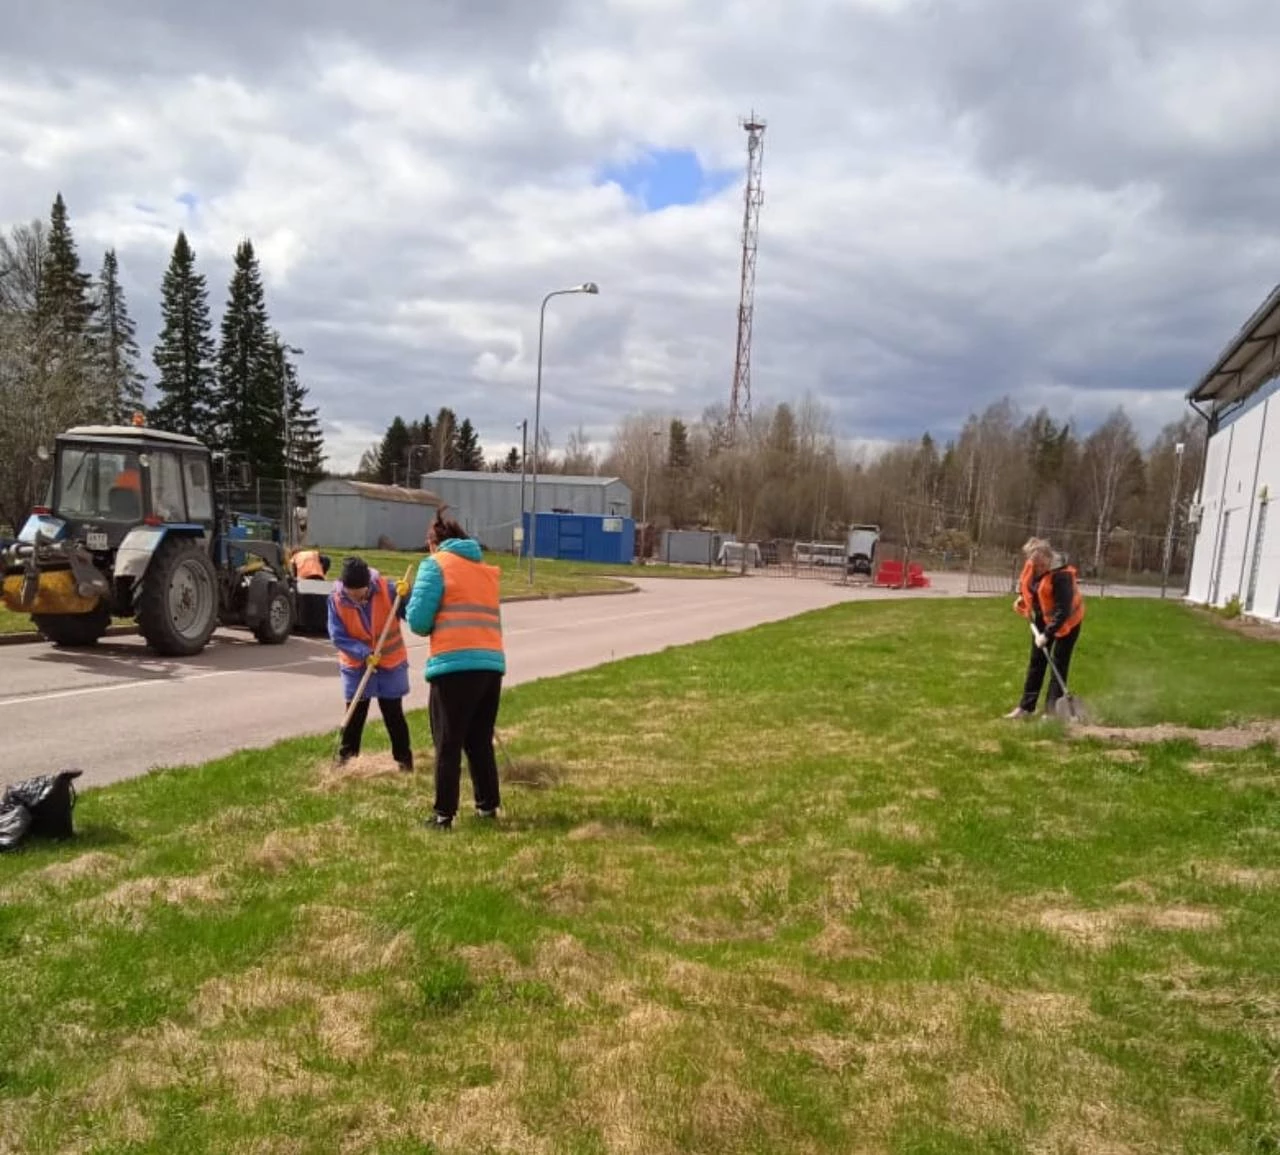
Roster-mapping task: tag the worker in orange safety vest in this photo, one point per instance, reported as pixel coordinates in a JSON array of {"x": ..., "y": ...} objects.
[
  {"x": 359, "y": 607},
  {"x": 1056, "y": 610},
  {"x": 455, "y": 602},
  {"x": 309, "y": 563}
]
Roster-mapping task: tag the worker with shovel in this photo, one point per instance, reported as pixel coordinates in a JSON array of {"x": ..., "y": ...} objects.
[
  {"x": 1057, "y": 611},
  {"x": 364, "y": 625}
]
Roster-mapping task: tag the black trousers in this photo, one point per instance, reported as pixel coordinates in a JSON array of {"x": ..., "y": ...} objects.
[
  {"x": 1059, "y": 649},
  {"x": 463, "y": 708},
  {"x": 397, "y": 729}
]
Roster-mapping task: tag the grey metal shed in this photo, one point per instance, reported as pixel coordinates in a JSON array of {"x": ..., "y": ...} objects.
[
  {"x": 361, "y": 515},
  {"x": 487, "y": 505}
]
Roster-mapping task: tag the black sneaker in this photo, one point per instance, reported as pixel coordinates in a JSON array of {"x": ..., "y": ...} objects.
[
  {"x": 438, "y": 822},
  {"x": 482, "y": 812}
]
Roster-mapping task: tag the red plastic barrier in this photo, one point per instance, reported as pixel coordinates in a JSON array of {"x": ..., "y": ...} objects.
[{"x": 890, "y": 574}]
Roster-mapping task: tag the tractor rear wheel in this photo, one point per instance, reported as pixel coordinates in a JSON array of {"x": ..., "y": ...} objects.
[
  {"x": 274, "y": 629},
  {"x": 72, "y": 631},
  {"x": 178, "y": 608}
]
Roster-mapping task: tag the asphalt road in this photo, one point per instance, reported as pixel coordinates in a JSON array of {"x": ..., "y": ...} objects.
[{"x": 116, "y": 711}]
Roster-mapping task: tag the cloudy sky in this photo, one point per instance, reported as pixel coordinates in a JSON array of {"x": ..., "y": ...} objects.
[{"x": 1072, "y": 203}]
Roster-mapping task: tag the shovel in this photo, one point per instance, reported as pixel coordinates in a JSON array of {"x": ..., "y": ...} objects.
[
  {"x": 1069, "y": 708},
  {"x": 377, "y": 651}
]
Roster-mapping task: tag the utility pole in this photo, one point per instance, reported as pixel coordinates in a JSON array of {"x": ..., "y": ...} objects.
[
  {"x": 1178, "y": 450},
  {"x": 524, "y": 453},
  {"x": 644, "y": 503}
]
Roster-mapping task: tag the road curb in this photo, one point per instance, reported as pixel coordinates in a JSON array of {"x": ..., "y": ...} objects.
[
  {"x": 28, "y": 638},
  {"x": 627, "y": 589}
]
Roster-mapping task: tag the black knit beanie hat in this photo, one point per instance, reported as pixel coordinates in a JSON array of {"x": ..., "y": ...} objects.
[{"x": 355, "y": 573}]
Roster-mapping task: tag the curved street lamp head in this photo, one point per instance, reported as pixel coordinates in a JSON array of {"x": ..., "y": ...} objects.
[{"x": 589, "y": 287}]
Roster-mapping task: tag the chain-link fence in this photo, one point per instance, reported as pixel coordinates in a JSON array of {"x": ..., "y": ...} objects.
[{"x": 1122, "y": 562}]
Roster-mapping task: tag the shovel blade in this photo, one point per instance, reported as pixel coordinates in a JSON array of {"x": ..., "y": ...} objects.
[{"x": 1069, "y": 709}]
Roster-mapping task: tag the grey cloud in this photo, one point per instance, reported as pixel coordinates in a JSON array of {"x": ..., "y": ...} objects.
[
  {"x": 242, "y": 37},
  {"x": 1040, "y": 100}
]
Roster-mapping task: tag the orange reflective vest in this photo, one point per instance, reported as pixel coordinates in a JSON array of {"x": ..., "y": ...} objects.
[
  {"x": 381, "y": 601},
  {"x": 1026, "y": 590},
  {"x": 1044, "y": 595},
  {"x": 306, "y": 564},
  {"x": 128, "y": 479},
  {"x": 470, "y": 616}
]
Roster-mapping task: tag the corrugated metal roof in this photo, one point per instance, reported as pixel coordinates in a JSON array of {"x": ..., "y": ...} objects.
[
  {"x": 550, "y": 478},
  {"x": 387, "y": 492},
  {"x": 1249, "y": 361}
]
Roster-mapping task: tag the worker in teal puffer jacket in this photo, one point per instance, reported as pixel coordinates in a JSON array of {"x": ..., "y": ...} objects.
[{"x": 455, "y": 602}]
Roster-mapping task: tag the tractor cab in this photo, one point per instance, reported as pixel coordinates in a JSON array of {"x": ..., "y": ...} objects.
[{"x": 107, "y": 480}]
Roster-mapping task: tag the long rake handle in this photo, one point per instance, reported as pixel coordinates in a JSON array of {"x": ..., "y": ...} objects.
[
  {"x": 1053, "y": 666},
  {"x": 377, "y": 651}
]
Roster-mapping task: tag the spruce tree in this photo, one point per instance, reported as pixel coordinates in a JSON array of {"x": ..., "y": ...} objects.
[
  {"x": 64, "y": 310},
  {"x": 444, "y": 440},
  {"x": 512, "y": 462},
  {"x": 249, "y": 406},
  {"x": 427, "y": 459},
  {"x": 467, "y": 447},
  {"x": 392, "y": 453},
  {"x": 304, "y": 447},
  {"x": 115, "y": 345},
  {"x": 184, "y": 353}
]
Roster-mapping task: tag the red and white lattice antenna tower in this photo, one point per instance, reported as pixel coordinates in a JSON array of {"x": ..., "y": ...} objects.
[{"x": 740, "y": 398}]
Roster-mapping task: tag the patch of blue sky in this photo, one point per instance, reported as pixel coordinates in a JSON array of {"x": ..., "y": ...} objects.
[{"x": 661, "y": 178}]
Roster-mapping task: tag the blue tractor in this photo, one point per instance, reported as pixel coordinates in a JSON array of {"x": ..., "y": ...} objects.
[{"x": 137, "y": 525}]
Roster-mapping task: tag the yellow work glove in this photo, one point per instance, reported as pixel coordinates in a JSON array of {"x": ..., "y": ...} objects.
[{"x": 402, "y": 589}]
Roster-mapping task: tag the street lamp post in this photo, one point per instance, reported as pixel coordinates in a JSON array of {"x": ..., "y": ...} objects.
[
  {"x": 586, "y": 287},
  {"x": 644, "y": 501},
  {"x": 524, "y": 454},
  {"x": 1178, "y": 450}
]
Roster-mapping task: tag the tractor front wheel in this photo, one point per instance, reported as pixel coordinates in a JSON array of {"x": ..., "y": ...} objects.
[
  {"x": 72, "y": 631},
  {"x": 178, "y": 607},
  {"x": 274, "y": 629}
]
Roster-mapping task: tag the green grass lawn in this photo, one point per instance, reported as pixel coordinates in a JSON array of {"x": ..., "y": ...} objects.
[
  {"x": 551, "y": 576},
  {"x": 793, "y": 890},
  {"x": 11, "y": 623}
]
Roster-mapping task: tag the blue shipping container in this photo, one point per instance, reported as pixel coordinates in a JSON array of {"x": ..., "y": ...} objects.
[{"x": 583, "y": 537}]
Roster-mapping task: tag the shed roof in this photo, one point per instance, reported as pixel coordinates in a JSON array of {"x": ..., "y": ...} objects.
[
  {"x": 583, "y": 479},
  {"x": 382, "y": 492},
  {"x": 1250, "y": 360}
]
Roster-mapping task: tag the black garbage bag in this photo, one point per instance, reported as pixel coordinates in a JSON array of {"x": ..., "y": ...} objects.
[{"x": 39, "y": 807}]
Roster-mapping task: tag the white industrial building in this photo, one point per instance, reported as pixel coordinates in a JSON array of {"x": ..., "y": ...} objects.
[
  {"x": 1237, "y": 535},
  {"x": 363, "y": 515},
  {"x": 488, "y": 505}
]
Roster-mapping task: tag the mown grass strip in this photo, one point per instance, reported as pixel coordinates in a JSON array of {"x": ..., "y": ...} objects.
[{"x": 796, "y": 889}]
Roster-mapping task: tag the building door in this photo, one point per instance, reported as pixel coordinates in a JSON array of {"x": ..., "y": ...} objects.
[
  {"x": 1256, "y": 564},
  {"x": 1221, "y": 558}
]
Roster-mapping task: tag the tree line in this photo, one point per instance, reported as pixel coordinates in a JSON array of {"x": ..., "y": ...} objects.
[
  {"x": 69, "y": 355},
  {"x": 410, "y": 449},
  {"x": 1006, "y": 476}
]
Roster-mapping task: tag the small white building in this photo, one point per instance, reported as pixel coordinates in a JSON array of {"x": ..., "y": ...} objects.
[
  {"x": 1236, "y": 553},
  {"x": 361, "y": 515},
  {"x": 487, "y": 505}
]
